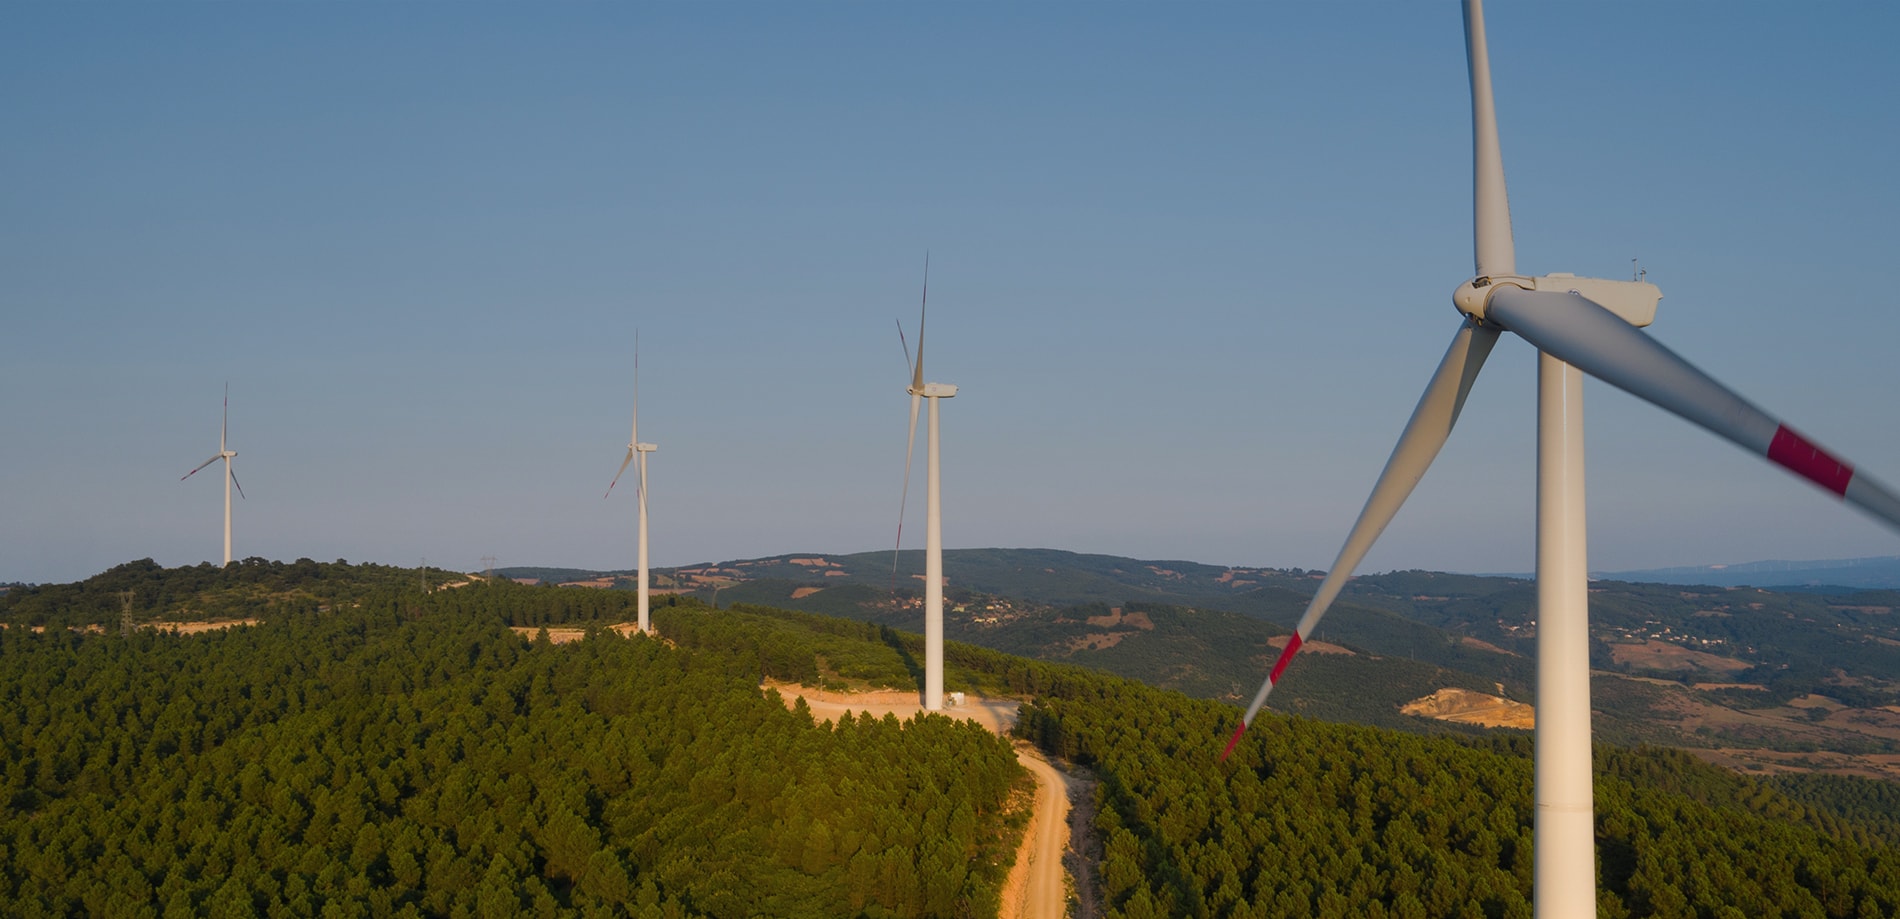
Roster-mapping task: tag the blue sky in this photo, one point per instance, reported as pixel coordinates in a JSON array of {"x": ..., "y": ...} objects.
[{"x": 1191, "y": 266}]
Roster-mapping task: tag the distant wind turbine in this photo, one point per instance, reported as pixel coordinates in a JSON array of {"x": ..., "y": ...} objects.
[
  {"x": 1578, "y": 325},
  {"x": 933, "y": 508},
  {"x": 636, "y": 449},
  {"x": 230, "y": 478}
]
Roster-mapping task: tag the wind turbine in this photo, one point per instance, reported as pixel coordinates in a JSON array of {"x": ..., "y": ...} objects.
[
  {"x": 230, "y": 478},
  {"x": 933, "y": 507},
  {"x": 637, "y": 449},
  {"x": 1578, "y": 325}
]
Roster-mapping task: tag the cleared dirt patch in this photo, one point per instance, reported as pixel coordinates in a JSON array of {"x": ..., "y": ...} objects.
[
  {"x": 1311, "y": 647},
  {"x": 999, "y": 715},
  {"x": 561, "y": 636},
  {"x": 1462, "y": 706},
  {"x": 803, "y": 592},
  {"x": 1483, "y": 645},
  {"x": 1098, "y": 641},
  {"x": 1116, "y": 617},
  {"x": 1663, "y": 655},
  {"x": 194, "y": 628}
]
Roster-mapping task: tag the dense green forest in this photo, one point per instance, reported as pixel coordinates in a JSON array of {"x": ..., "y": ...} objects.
[
  {"x": 1335, "y": 820},
  {"x": 371, "y": 749},
  {"x": 407, "y": 754}
]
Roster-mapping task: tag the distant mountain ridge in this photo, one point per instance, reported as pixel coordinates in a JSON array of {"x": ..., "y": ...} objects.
[
  {"x": 1875, "y": 573},
  {"x": 1087, "y": 576}
]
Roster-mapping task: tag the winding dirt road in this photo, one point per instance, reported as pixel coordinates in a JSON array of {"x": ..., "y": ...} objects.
[{"x": 1037, "y": 887}]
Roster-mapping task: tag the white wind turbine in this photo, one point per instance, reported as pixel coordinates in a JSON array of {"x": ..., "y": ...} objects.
[
  {"x": 637, "y": 449},
  {"x": 933, "y": 508},
  {"x": 230, "y": 478},
  {"x": 1578, "y": 325}
]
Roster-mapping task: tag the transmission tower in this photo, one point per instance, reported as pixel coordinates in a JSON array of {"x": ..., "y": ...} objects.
[{"x": 125, "y": 614}]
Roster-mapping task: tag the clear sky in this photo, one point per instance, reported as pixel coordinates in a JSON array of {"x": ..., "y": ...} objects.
[{"x": 1190, "y": 264}]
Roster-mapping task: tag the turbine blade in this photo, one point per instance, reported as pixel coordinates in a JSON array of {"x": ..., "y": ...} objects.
[
  {"x": 233, "y": 474},
  {"x": 201, "y": 466},
  {"x": 623, "y": 468},
  {"x": 910, "y": 446},
  {"x": 634, "y": 438},
  {"x": 1580, "y": 332},
  {"x": 1494, "y": 253},
  {"x": 643, "y": 483},
  {"x": 1424, "y": 435},
  {"x": 905, "y": 344},
  {"x": 917, "y": 368},
  {"x": 224, "y": 423}
]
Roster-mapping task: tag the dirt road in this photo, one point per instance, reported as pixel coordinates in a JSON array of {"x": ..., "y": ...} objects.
[{"x": 1037, "y": 887}]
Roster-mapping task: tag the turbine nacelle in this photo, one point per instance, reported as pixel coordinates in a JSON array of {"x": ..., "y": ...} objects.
[
  {"x": 933, "y": 390},
  {"x": 1633, "y": 302},
  {"x": 643, "y": 448}
]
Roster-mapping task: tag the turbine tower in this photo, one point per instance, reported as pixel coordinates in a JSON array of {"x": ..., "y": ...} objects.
[
  {"x": 1578, "y": 325},
  {"x": 636, "y": 449},
  {"x": 933, "y": 507},
  {"x": 230, "y": 478}
]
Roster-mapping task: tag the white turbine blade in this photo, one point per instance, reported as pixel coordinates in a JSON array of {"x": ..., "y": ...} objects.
[
  {"x": 233, "y": 474},
  {"x": 910, "y": 447},
  {"x": 224, "y": 423},
  {"x": 916, "y": 399},
  {"x": 1491, "y": 209},
  {"x": 208, "y": 462},
  {"x": 917, "y": 368},
  {"x": 642, "y": 483},
  {"x": 905, "y": 344},
  {"x": 1582, "y": 333},
  {"x": 1424, "y": 435},
  {"x": 634, "y": 438},
  {"x": 623, "y": 468}
]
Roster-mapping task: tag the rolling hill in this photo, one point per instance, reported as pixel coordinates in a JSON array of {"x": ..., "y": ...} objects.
[{"x": 1752, "y": 678}]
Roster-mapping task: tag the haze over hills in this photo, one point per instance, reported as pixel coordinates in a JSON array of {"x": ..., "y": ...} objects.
[
  {"x": 1748, "y": 677},
  {"x": 1879, "y": 572}
]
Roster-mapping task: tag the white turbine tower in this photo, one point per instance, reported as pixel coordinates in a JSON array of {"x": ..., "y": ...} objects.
[
  {"x": 636, "y": 449},
  {"x": 1578, "y": 325},
  {"x": 933, "y": 508},
  {"x": 230, "y": 478}
]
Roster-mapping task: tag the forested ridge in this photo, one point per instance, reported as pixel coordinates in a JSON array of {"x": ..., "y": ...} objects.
[
  {"x": 390, "y": 752},
  {"x": 1319, "y": 819},
  {"x": 407, "y": 754}
]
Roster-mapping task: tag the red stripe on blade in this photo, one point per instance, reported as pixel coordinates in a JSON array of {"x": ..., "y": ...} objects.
[
  {"x": 1806, "y": 459},
  {"x": 1233, "y": 741},
  {"x": 1292, "y": 646}
]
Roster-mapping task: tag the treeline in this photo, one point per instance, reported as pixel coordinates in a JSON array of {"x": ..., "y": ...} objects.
[
  {"x": 251, "y": 587},
  {"x": 1319, "y": 819},
  {"x": 408, "y": 755}
]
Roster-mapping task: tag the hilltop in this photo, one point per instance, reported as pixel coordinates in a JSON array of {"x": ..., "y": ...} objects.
[
  {"x": 406, "y": 752},
  {"x": 1752, "y": 678}
]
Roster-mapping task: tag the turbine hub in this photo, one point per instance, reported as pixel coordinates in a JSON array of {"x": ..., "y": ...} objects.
[{"x": 1632, "y": 301}]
